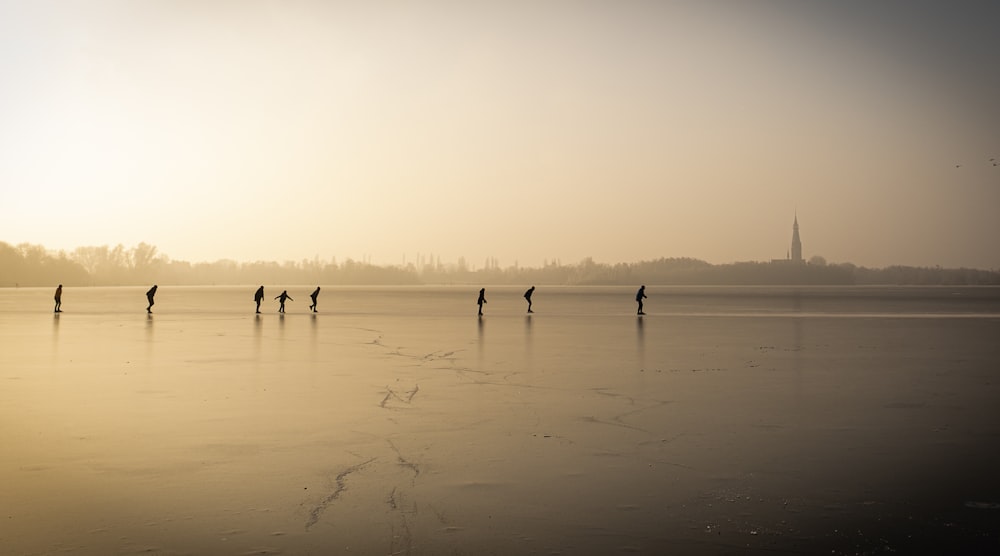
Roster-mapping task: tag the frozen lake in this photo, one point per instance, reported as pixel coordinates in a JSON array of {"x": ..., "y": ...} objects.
[{"x": 394, "y": 421}]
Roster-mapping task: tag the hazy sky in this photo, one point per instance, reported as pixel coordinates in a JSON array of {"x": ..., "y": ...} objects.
[{"x": 620, "y": 130}]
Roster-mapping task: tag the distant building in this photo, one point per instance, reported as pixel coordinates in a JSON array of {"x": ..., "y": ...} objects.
[
  {"x": 795, "y": 255},
  {"x": 796, "y": 242}
]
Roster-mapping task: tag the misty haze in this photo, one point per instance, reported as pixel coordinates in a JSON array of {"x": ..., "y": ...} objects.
[{"x": 33, "y": 265}]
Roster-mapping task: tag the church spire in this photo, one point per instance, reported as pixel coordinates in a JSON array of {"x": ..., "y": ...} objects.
[{"x": 796, "y": 242}]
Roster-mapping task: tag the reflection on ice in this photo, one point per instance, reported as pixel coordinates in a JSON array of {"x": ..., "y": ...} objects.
[{"x": 641, "y": 340}]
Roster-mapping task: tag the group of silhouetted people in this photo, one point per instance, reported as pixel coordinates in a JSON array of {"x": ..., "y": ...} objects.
[
  {"x": 258, "y": 296},
  {"x": 482, "y": 299},
  {"x": 639, "y": 296},
  {"x": 283, "y": 296}
]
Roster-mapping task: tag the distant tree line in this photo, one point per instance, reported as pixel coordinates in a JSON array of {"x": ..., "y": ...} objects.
[{"x": 33, "y": 265}]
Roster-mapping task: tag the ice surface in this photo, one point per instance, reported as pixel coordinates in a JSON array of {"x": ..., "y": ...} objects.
[{"x": 394, "y": 421}]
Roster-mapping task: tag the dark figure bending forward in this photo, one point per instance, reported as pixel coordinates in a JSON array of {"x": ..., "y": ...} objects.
[
  {"x": 149, "y": 297},
  {"x": 313, "y": 296},
  {"x": 258, "y": 297}
]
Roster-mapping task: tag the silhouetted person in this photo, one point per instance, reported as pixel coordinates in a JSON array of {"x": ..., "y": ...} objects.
[
  {"x": 313, "y": 296},
  {"x": 258, "y": 297},
  {"x": 482, "y": 299},
  {"x": 527, "y": 295},
  {"x": 58, "y": 298},
  {"x": 639, "y": 296},
  {"x": 284, "y": 295},
  {"x": 149, "y": 296}
]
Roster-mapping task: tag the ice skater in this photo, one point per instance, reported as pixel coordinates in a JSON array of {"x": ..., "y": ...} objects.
[
  {"x": 313, "y": 296},
  {"x": 482, "y": 299},
  {"x": 149, "y": 297},
  {"x": 258, "y": 297},
  {"x": 284, "y": 295},
  {"x": 639, "y": 296},
  {"x": 58, "y": 298},
  {"x": 527, "y": 295}
]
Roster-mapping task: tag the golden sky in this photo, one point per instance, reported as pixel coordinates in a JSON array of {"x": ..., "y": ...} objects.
[{"x": 522, "y": 131}]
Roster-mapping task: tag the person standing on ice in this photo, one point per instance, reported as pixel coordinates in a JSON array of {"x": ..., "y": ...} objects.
[
  {"x": 527, "y": 295},
  {"x": 639, "y": 296},
  {"x": 149, "y": 297},
  {"x": 258, "y": 297},
  {"x": 284, "y": 295},
  {"x": 482, "y": 299},
  {"x": 313, "y": 296},
  {"x": 58, "y": 298}
]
